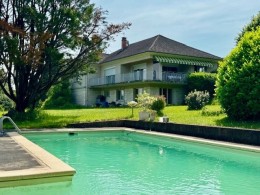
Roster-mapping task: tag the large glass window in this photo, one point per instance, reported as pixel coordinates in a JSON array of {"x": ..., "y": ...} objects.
[
  {"x": 120, "y": 95},
  {"x": 139, "y": 74},
  {"x": 136, "y": 92},
  {"x": 199, "y": 69},
  {"x": 167, "y": 93},
  {"x": 169, "y": 69},
  {"x": 110, "y": 75},
  {"x": 110, "y": 79}
]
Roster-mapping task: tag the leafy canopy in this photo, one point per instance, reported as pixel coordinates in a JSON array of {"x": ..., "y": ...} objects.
[
  {"x": 238, "y": 81},
  {"x": 252, "y": 26},
  {"x": 45, "y": 41}
]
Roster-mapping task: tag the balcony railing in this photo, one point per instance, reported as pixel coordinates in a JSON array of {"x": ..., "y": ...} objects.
[
  {"x": 178, "y": 78},
  {"x": 174, "y": 77}
]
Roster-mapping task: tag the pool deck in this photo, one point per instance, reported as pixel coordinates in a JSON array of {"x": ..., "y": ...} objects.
[{"x": 23, "y": 162}]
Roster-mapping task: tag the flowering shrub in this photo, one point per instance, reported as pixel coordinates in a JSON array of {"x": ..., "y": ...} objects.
[
  {"x": 145, "y": 101},
  {"x": 196, "y": 100},
  {"x": 158, "y": 105}
]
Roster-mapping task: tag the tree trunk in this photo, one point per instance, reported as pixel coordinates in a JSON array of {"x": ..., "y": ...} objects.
[{"x": 20, "y": 107}]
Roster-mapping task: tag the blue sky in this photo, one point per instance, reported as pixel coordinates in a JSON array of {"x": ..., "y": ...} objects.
[{"x": 208, "y": 25}]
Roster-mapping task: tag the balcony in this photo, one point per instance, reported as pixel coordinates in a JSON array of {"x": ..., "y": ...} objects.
[
  {"x": 174, "y": 77},
  {"x": 168, "y": 77}
]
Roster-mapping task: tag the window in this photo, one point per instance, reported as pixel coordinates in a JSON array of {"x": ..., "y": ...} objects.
[
  {"x": 138, "y": 74},
  {"x": 136, "y": 92},
  {"x": 110, "y": 79},
  {"x": 167, "y": 93},
  {"x": 120, "y": 95},
  {"x": 199, "y": 69},
  {"x": 169, "y": 69},
  {"x": 110, "y": 75}
]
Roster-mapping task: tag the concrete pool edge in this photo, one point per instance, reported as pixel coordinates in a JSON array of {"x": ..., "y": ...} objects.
[
  {"x": 154, "y": 133},
  {"x": 205, "y": 141},
  {"x": 227, "y": 134},
  {"x": 52, "y": 169}
]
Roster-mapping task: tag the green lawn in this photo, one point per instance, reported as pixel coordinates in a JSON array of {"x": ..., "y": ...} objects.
[{"x": 176, "y": 114}]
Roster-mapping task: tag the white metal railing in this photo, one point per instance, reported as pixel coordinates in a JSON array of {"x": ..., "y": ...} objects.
[
  {"x": 139, "y": 76},
  {"x": 174, "y": 77},
  {"x": 7, "y": 117}
]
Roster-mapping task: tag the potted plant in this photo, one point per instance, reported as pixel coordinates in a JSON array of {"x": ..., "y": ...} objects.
[
  {"x": 158, "y": 105},
  {"x": 145, "y": 101}
]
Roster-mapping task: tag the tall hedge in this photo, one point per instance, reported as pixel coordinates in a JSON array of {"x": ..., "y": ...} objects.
[
  {"x": 202, "y": 81},
  {"x": 238, "y": 79}
]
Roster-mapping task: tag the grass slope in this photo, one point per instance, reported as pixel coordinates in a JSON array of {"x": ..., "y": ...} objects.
[{"x": 176, "y": 114}]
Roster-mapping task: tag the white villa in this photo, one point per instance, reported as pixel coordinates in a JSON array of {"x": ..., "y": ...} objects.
[{"x": 157, "y": 65}]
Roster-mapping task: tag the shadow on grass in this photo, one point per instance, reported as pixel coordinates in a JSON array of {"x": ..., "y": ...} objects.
[
  {"x": 57, "y": 121},
  {"x": 42, "y": 122},
  {"x": 227, "y": 122}
]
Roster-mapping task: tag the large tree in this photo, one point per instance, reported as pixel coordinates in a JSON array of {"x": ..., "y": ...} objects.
[{"x": 44, "y": 41}]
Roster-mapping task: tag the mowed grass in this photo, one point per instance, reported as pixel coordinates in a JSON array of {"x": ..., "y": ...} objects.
[
  {"x": 61, "y": 118},
  {"x": 176, "y": 114}
]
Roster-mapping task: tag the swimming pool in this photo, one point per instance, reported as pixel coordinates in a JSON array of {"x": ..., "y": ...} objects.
[{"x": 125, "y": 162}]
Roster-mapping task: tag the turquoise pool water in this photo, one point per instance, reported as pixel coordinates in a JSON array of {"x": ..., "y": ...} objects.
[{"x": 132, "y": 163}]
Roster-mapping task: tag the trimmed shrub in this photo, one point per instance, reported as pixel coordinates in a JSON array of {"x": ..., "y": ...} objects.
[
  {"x": 158, "y": 105},
  {"x": 238, "y": 81},
  {"x": 196, "y": 100},
  {"x": 202, "y": 81}
]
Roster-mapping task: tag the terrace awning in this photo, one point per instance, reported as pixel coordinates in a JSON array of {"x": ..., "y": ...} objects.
[{"x": 183, "y": 61}]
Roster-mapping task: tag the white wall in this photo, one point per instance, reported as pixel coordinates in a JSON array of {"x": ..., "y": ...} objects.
[
  {"x": 84, "y": 96},
  {"x": 78, "y": 88},
  {"x": 154, "y": 91},
  {"x": 129, "y": 95}
]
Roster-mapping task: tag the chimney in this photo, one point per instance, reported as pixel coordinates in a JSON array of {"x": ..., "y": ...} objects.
[{"x": 124, "y": 43}]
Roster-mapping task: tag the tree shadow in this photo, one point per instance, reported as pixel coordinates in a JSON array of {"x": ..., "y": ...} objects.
[{"x": 227, "y": 122}]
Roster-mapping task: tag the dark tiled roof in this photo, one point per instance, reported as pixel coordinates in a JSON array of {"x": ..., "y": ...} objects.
[{"x": 159, "y": 44}]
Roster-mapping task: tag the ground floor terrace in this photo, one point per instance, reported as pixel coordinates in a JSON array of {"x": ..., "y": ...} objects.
[{"x": 120, "y": 94}]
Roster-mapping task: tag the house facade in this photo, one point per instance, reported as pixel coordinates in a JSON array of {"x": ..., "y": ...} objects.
[{"x": 157, "y": 65}]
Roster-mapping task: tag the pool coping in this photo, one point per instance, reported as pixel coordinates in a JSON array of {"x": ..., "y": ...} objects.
[
  {"x": 205, "y": 141},
  {"x": 156, "y": 133},
  {"x": 52, "y": 169},
  {"x": 227, "y": 134}
]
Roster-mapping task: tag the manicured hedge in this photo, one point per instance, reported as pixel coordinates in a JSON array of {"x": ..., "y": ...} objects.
[
  {"x": 238, "y": 81},
  {"x": 202, "y": 81}
]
